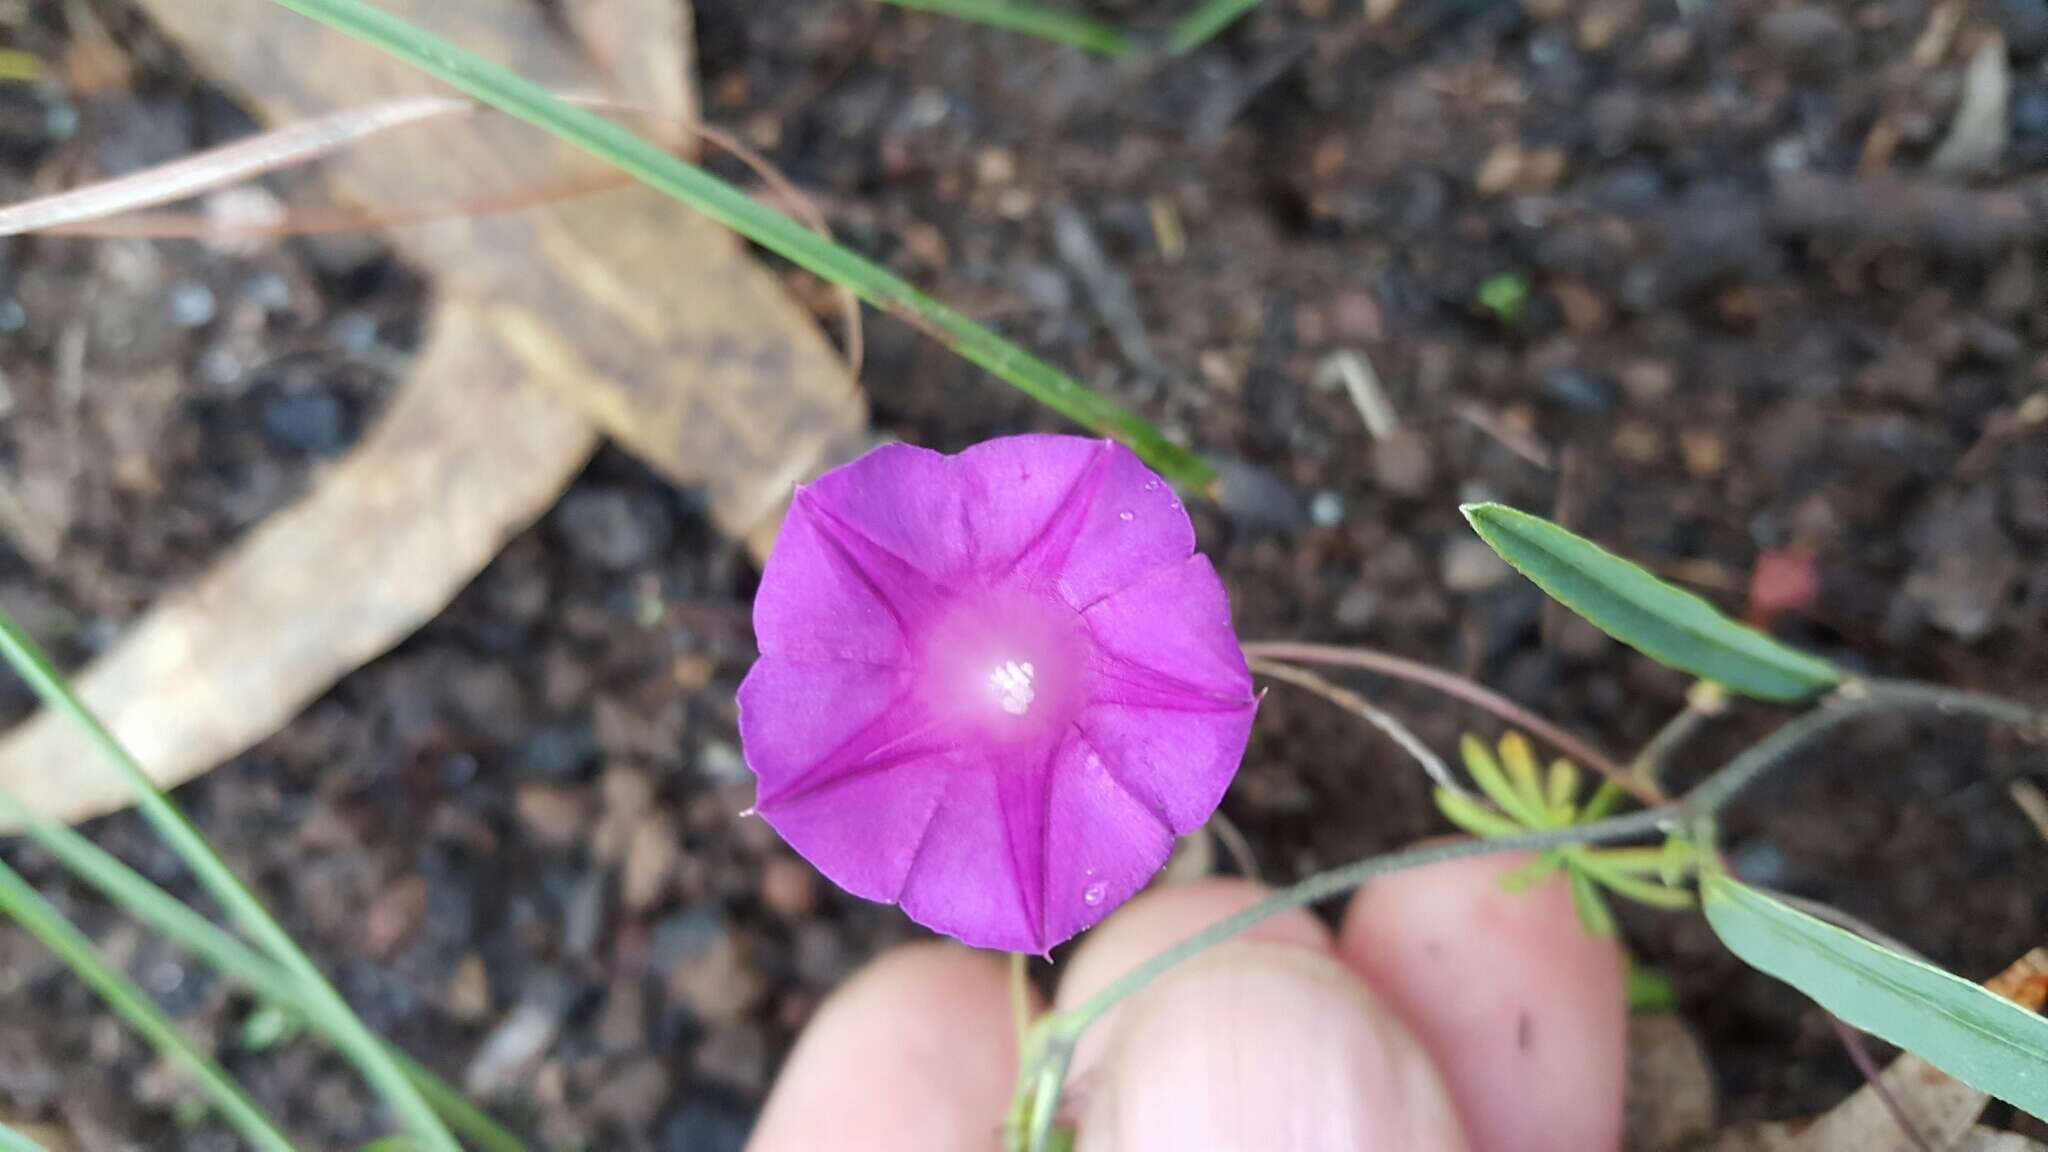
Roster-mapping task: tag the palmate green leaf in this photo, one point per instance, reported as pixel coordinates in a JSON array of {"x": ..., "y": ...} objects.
[
  {"x": 1669, "y": 625},
  {"x": 1967, "y": 1031}
]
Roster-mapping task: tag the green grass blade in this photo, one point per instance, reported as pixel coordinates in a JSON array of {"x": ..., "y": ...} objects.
[
  {"x": 22, "y": 904},
  {"x": 15, "y": 1140},
  {"x": 321, "y": 1003},
  {"x": 1669, "y": 625},
  {"x": 226, "y": 954},
  {"x": 1060, "y": 27},
  {"x": 1967, "y": 1031},
  {"x": 654, "y": 166},
  {"x": 1205, "y": 24}
]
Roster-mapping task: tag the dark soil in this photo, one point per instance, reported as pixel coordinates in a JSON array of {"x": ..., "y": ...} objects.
[{"x": 513, "y": 840}]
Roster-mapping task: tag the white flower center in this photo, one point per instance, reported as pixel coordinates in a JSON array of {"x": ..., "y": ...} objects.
[{"x": 1012, "y": 683}]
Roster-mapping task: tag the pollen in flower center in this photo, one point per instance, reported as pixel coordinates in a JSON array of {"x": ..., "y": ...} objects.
[{"x": 1012, "y": 684}]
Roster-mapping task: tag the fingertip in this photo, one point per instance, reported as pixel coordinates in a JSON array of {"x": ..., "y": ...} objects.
[
  {"x": 1522, "y": 1009},
  {"x": 916, "y": 1051},
  {"x": 1264, "y": 1045}
]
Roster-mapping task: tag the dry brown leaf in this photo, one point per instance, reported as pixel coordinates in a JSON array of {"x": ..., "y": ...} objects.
[
  {"x": 467, "y": 456},
  {"x": 623, "y": 312},
  {"x": 654, "y": 319}
]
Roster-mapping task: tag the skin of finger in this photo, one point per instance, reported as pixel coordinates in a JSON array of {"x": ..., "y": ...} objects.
[
  {"x": 1266, "y": 1042},
  {"x": 917, "y": 1051},
  {"x": 1523, "y": 1011}
]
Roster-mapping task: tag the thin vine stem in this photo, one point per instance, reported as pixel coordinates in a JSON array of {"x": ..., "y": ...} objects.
[
  {"x": 1458, "y": 688},
  {"x": 1072, "y": 1022},
  {"x": 1359, "y": 706},
  {"x": 1854, "y": 699}
]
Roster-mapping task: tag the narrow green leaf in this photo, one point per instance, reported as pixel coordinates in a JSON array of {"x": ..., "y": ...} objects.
[
  {"x": 1669, "y": 625},
  {"x": 656, "y": 167},
  {"x": 1486, "y": 772},
  {"x": 15, "y": 1140},
  {"x": 1630, "y": 887},
  {"x": 351, "y": 1036},
  {"x": 1053, "y": 24},
  {"x": 25, "y": 906},
  {"x": 1533, "y": 873},
  {"x": 1474, "y": 817},
  {"x": 1650, "y": 990},
  {"x": 1523, "y": 772},
  {"x": 1593, "y": 911},
  {"x": 1967, "y": 1031}
]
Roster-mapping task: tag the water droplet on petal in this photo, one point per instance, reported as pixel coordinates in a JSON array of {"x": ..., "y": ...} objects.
[
  {"x": 1151, "y": 485},
  {"x": 1093, "y": 894},
  {"x": 1126, "y": 516}
]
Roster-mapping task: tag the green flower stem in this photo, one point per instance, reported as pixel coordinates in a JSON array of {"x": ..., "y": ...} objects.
[
  {"x": 172, "y": 919},
  {"x": 654, "y": 166},
  {"x": 1068, "y": 1025},
  {"x": 22, "y": 904},
  {"x": 321, "y": 1003}
]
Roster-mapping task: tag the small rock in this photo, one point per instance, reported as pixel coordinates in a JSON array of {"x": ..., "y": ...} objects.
[
  {"x": 789, "y": 887},
  {"x": 652, "y": 853},
  {"x": 632, "y": 1096},
  {"x": 469, "y": 990},
  {"x": 1649, "y": 382},
  {"x": 558, "y": 752},
  {"x": 705, "y": 967},
  {"x": 721, "y": 763},
  {"x": 1471, "y": 566},
  {"x": 1404, "y": 464},
  {"x": 515, "y": 1047},
  {"x": 192, "y": 304},
  {"x": 1977, "y": 137},
  {"x": 706, "y": 1126},
  {"x": 622, "y": 1026},
  {"x": 1579, "y": 391},
  {"x": 737, "y": 1057},
  {"x": 1357, "y": 606},
  {"x": 310, "y": 422},
  {"x": 554, "y": 816},
  {"x": 1254, "y": 499},
  {"x": 393, "y": 915},
  {"x": 1966, "y": 564},
  {"x": 489, "y": 698},
  {"x": 1326, "y": 509},
  {"x": 1809, "y": 36},
  {"x": 611, "y": 528},
  {"x": 1584, "y": 310}
]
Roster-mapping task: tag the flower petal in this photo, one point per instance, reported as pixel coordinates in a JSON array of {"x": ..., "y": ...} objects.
[
  {"x": 1171, "y": 632},
  {"x": 1103, "y": 843},
  {"x": 966, "y": 881},
  {"x": 816, "y": 604},
  {"x": 871, "y": 855},
  {"x": 1086, "y": 514},
  {"x": 906, "y": 501},
  {"x": 1178, "y": 763}
]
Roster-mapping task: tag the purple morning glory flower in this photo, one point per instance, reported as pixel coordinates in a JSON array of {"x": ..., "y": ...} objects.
[{"x": 993, "y": 687}]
